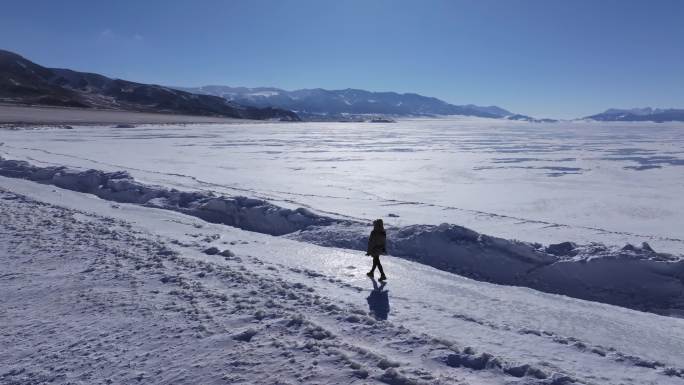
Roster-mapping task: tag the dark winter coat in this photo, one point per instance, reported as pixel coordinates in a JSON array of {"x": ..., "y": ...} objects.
[{"x": 376, "y": 242}]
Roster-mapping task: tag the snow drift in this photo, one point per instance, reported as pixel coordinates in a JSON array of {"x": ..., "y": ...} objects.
[
  {"x": 242, "y": 212},
  {"x": 635, "y": 277}
]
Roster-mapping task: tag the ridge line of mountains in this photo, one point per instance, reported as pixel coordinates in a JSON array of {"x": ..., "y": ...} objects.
[
  {"x": 647, "y": 114},
  {"x": 25, "y": 82},
  {"x": 349, "y": 104}
]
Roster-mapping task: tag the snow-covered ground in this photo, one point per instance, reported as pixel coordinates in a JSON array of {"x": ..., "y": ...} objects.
[
  {"x": 631, "y": 276},
  {"x": 100, "y": 291}
]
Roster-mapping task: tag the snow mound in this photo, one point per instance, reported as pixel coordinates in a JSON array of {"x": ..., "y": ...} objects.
[
  {"x": 635, "y": 277},
  {"x": 242, "y": 212},
  {"x": 447, "y": 247}
]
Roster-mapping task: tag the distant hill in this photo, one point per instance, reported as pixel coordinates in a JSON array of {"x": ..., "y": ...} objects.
[
  {"x": 640, "y": 115},
  {"x": 320, "y": 103},
  {"x": 525, "y": 118},
  {"x": 25, "y": 82}
]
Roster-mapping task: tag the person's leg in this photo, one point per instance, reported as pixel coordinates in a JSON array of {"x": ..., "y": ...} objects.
[
  {"x": 375, "y": 261},
  {"x": 382, "y": 273}
]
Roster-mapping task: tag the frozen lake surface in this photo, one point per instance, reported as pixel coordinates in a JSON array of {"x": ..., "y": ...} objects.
[{"x": 606, "y": 182}]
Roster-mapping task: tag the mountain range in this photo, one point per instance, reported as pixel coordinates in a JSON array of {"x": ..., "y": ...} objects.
[
  {"x": 640, "y": 115},
  {"x": 321, "y": 104},
  {"x": 25, "y": 82}
]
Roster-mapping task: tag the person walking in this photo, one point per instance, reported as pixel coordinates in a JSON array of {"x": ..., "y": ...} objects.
[{"x": 376, "y": 246}]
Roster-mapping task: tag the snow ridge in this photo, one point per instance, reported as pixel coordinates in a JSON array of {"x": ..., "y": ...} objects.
[{"x": 635, "y": 277}]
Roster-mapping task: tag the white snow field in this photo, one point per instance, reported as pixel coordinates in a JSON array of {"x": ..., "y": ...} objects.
[{"x": 109, "y": 275}]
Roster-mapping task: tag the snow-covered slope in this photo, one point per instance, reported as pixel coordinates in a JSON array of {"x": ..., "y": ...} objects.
[{"x": 98, "y": 292}]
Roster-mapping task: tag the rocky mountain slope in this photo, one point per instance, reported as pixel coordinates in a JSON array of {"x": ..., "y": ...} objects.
[{"x": 25, "y": 82}]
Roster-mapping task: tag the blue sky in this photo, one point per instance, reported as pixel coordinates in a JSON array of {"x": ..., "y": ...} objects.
[{"x": 553, "y": 58}]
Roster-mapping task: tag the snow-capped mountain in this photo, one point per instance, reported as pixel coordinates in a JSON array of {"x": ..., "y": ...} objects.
[
  {"x": 640, "y": 114},
  {"x": 320, "y": 102}
]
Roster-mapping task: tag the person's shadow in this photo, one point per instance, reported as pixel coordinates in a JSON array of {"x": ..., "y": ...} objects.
[{"x": 378, "y": 301}]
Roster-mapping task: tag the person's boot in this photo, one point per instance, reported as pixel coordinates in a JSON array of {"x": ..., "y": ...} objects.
[
  {"x": 382, "y": 278},
  {"x": 370, "y": 274}
]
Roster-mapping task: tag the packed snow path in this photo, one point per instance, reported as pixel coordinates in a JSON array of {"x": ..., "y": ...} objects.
[{"x": 109, "y": 293}]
